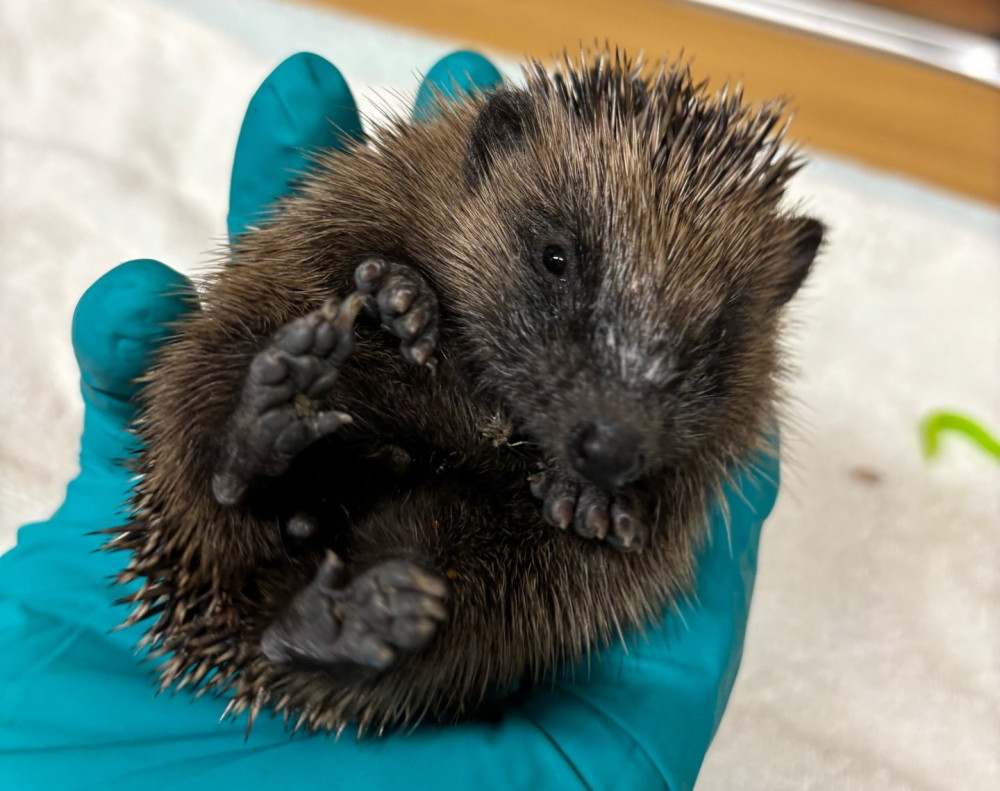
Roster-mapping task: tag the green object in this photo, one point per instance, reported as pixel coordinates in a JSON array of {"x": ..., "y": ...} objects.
[
  {"x": 938, "y": 423},
  {"x": 77, "y": 707}
]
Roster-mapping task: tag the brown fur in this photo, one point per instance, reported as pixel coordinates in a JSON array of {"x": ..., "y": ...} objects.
[{"x": 671, "y": 198}]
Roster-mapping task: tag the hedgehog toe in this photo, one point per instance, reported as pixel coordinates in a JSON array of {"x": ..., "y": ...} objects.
[
  {"x": 592, "y": 519},
  {"x": 628, "y": 533}
]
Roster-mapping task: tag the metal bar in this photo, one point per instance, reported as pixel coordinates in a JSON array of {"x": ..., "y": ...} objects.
[{"x": 972, "y": 56}]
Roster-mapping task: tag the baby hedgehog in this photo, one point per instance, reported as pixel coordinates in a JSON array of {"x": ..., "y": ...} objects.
[{"x": 585, "y": 277}]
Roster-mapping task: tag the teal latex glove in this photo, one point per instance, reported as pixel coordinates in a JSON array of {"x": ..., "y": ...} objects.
[{"x": 77, "y": 709}]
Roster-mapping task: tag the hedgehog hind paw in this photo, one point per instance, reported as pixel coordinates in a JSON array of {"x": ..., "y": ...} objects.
[{"x": 393, "y": 606}]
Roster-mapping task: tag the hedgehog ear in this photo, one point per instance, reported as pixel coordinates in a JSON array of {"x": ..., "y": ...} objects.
[
  {"x": 806, "y": 236},
  {"x": 503, "y": 123}
]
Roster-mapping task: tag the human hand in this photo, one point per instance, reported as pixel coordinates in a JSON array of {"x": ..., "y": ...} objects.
[{"x": 76, "y": 707}]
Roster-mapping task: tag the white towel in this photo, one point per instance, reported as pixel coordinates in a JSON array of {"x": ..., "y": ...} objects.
[{"x": 873, "y": 656}]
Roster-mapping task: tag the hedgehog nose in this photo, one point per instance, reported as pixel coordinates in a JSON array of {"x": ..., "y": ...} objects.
[{"x": 605, "y": 453}]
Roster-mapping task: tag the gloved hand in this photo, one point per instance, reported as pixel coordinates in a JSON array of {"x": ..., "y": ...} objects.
[{"x": 77, "y": 709}]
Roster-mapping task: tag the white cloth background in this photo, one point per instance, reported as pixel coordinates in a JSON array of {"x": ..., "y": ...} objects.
[{"x": 872, "y": 659}]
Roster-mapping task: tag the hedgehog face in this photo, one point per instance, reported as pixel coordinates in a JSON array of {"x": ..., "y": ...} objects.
[{"x": 626, "y": 316}]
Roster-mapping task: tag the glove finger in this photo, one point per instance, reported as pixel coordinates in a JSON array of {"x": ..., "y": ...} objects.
[
  {"x": 303, "y": 105},
  {"x": 454, "y": 77},
  {"x": 119, "y": 322},
  {"x": 688, "y": 662}
]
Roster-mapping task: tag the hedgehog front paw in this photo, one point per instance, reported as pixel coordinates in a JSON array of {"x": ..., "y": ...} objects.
[
  {"x": 395, "y": 605},
  {"x": 593, "y": 512},
  {"x": 278, "y": 414},
  {"x": 407, "y": 306}
]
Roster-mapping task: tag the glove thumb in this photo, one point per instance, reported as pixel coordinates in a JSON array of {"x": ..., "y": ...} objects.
[{"x": 118, "y": 324}]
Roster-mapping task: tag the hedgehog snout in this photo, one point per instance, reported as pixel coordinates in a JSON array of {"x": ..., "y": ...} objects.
[{"x": 608, "y": 454}]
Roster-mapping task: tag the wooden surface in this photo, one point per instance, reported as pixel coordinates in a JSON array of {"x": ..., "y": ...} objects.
[
  {"x": 878, "y": 110},
  {"x": 977, "y": 16}
]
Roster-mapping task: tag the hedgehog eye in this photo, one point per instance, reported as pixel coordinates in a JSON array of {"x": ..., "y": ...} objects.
[{"x": 555, "y": 260}]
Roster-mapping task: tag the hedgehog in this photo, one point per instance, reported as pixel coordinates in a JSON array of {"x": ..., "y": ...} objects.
[{"x": 454, "y": 415}]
